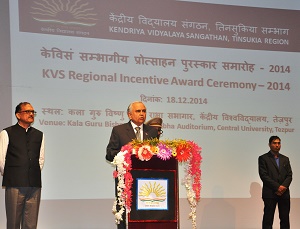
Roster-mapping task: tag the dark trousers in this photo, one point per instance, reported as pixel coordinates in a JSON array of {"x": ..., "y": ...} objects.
[
  {"x": 284, "y": 206},
  {"x": 22, "y": 207}
]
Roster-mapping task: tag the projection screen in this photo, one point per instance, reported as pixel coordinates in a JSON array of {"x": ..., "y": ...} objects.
[{"x": 224, "y": 76}]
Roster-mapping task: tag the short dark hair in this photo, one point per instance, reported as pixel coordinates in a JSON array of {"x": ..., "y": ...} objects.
[
  {"x": 19, "y": 106},
  {"x": 272, "y": 138}
]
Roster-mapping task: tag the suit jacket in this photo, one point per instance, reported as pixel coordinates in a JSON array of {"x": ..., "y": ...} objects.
[
  {"x": 123, "y": 134},
  {"x": 272, "y": 176}
]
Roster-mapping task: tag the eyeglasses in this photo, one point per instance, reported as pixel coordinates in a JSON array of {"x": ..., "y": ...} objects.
[{"x": 28, "y": 112}]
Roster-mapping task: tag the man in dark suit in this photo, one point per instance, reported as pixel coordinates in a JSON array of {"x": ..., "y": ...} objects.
[
  {"x": 125, "y": 133},
  {"x": 276, "y": 174}
]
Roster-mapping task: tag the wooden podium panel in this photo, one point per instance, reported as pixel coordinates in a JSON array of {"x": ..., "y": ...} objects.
[{"x": 152, "y": 218}]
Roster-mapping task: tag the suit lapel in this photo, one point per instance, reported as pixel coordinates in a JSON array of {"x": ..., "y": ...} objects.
[
  {"x": 145, "y": 132},
  {"x": 130, "y": 131}
]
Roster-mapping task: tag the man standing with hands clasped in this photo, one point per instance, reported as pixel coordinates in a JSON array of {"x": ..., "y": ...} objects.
[
  {"x": 276, "y": 174},
  {"x": 21, "y": 162}
]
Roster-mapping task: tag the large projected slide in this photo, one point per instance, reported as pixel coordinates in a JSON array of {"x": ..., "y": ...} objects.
[{"x": 226, "y": 77}]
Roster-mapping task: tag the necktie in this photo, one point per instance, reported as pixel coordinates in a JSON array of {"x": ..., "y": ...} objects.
[{"x": 138, "y": 133}]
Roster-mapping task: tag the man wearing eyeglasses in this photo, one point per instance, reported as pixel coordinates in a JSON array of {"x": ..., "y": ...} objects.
[{"x": 21, "y": 162}]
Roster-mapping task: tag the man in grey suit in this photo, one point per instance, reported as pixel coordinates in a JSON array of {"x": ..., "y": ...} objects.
[
  {"x": 125, "y": 133},
  {"x": 276, "y": 174}
]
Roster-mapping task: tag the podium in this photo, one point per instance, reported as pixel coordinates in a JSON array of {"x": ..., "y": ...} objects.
[
  {"x": 147, "y": 174},
  {"x": 155, "y": 194}
]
